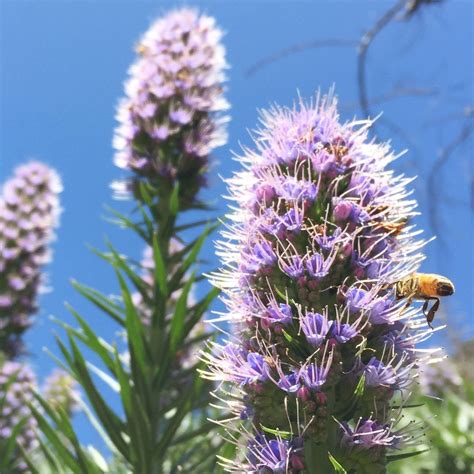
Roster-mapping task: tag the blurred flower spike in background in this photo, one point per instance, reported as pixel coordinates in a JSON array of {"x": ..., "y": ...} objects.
[
  {"x": 29, "y": 213},
  {"x": 171, "y": 118}
]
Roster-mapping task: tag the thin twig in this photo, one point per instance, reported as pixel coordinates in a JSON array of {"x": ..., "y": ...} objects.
[
  {"x": 296, "y": 48},
  {"x": 364, "y": 45},
  {"x": 396, "y": 93},
  {"x": 467, "y": 112}
]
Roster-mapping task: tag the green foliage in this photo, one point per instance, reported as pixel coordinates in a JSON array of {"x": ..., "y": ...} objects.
[
  {"x": 449, "y": 432},
  {"x": 162, "y": 423}
]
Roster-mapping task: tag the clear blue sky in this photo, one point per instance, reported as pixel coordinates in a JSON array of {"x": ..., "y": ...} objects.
[{"x": 62, "y": 68}]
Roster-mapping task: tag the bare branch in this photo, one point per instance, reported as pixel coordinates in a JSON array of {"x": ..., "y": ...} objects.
[
  {"x": 364, "y": 45},
  {"x": 396, "y": 93},
  {"x": 413, "y": 6},
  {"x": 296, "y": 48}
]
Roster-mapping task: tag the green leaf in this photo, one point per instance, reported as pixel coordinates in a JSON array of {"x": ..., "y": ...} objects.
[
  {"x": 137, "y": 416},
  {"x": 144, "y": 194},
  {"x": 191, "y": 257},
  {"x": 174, "y": 200},
  {"x": 160, "y": 269},
  {"x": 105, "y": 304},
  {"x": 179, "y": 315},
  {"x": 183, "y": 408},
  {"x": 336, "y": 465},
  {"x": 397, "y": 457},
  {"x": 126, "y": 223},
  {"x": 63, "y": 423},
  {"x": 112, "y": 424},
  {"x": 120, "y": 262},
  {"x": 281, "y": 434},
  {"x": 90, "y": 338},
  {"x": 359, "y": 390},
  {"x": 200, "y": 308},
  {"x": 56, "y": 441},
  {"x": 134, "y": 326},
  {"x": 191, "y": 225},
  {"x": 9, "y": 444}
]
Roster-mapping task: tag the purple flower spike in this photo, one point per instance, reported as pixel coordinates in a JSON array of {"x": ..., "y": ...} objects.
[
  {"x": 358, "y": 300},
  {"x": 18, "y": 381},
  {"x": 171, "y": 117},
  {"x": 62, "y": 391},
  {"x": 310, "y": 262},
  {"x": 29, "y": 213}
]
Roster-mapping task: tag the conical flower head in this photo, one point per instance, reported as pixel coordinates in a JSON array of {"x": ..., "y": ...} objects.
[
  {"x": 29, "y": 212},
  {"x": 61, "y": 391},
  {"x": 17, "y": 383},
  {"x": 319, "y": 236},
  {"x": 170, "y": 119}
]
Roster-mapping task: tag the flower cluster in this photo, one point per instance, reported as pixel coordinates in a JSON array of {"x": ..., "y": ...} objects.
[
  {"x": 17, "y": 382},
  {"x": 439, "y": 376},
  {"x": 170, "y": 120},
  {"x": 319, "y": 342},
  {"x": 29, "y": 211},
  {"x": 60, "y": 390}
]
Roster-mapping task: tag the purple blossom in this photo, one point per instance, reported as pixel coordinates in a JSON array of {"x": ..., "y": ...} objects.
[
  {"x": 315, "y": 374},
  {"x": 289, "y": 383},
  {"x": 17, "y": 383},
  {"x": 315, "y": 327},
  {"x": 280, "y": 313},
  {"x": 29, "y": 212},
  {"x": 293, "y": 267},
  {"x": 369, "y": 434},
  {"x": 61, "y": 391},
  {"x": 378, "y": 374},
  {"x": 343, "y": 332},
  {"x": 293, "y": 189},
  {"x": 314, "y": 191},
  {"x": 170, "y": 119},
  {"x": 257, "y": 368},
  {"x": 317, "y": 267},
  {"x": 271, "y": 455},
  {"x": 358, "y": 300}
]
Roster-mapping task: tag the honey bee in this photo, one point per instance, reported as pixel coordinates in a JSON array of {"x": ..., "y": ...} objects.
[
  {"x": 140, "y": 49},
  {"x": 424, "y": 286},
  {"x": 336, "y": 149},
  {"x": 394, "y": 228}
]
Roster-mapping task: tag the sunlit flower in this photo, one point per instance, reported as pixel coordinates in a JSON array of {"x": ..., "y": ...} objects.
[
  {"x": 171, "y": 117},
  {"x": 29, "y": 212},
  {"x": 308, "y": 274}
]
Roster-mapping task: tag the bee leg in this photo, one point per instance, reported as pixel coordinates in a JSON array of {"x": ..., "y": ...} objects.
[
  {"x": 408, "y": 302},
  {"x": 431, "y": 313}
]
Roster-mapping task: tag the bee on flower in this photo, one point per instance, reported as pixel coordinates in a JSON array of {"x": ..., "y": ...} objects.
[{"x": 319, "y": 344}]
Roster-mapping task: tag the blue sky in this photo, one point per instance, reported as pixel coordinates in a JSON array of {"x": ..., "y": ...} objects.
[{"x": 62, "y": 69}]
